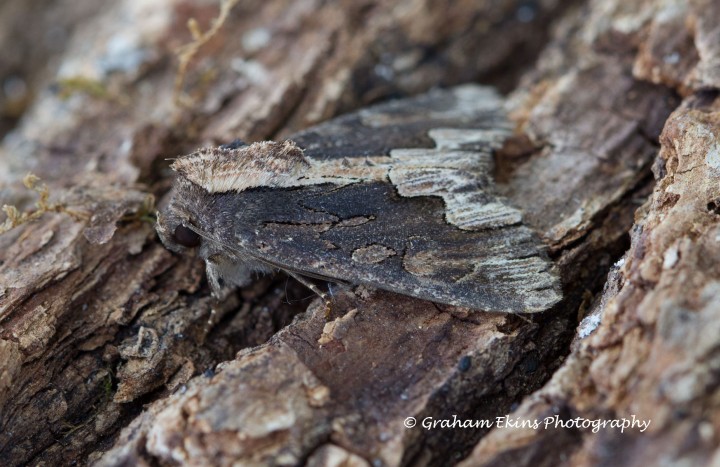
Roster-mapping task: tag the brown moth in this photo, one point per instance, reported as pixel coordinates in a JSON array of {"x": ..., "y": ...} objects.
[{"x": 397, "y": 196}]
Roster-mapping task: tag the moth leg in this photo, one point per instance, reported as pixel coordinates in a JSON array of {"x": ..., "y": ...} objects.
[{"x": 315, "y": 289}]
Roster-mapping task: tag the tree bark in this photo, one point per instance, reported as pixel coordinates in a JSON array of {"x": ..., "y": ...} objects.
[{"x": 113, "y": 352}]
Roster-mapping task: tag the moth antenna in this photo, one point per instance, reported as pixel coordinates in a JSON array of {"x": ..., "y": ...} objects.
[
  {"x": 208, "y": 237},
  {"x": 314, "y": 288},
  {"x": 200, "y": 232}
]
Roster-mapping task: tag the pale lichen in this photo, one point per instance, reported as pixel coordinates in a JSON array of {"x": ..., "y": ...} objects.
[{"x": 15, "y": 217}]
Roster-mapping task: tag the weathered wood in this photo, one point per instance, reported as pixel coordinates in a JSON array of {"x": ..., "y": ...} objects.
[
  {"x": 645, "y": 349},
  {"x": 110, "y": 344}
]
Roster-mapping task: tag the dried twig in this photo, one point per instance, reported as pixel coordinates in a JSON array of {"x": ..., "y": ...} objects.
[{"x": 187, "y": 52}]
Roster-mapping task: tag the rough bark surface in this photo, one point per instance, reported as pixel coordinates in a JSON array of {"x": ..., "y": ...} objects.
[{"x": 113, "y": 352}]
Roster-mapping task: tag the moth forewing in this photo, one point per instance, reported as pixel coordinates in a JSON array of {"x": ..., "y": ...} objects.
[{"x": 398, "y": 196}]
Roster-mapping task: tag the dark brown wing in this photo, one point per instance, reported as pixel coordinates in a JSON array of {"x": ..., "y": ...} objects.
[{"x": 366, "y": 233}]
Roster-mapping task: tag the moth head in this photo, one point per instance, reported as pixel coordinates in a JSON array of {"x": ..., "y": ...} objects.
[
  {"x": 185, "y": 226},
  {"x": 177, "y": 224},
  {"x": 176, "y": 234}
]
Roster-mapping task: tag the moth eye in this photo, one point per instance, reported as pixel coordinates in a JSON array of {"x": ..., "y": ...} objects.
[{"x": 186, "y": 237}]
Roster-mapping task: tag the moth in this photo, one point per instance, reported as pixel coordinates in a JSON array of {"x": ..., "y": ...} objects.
[{"x": 398, "y": 196}]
